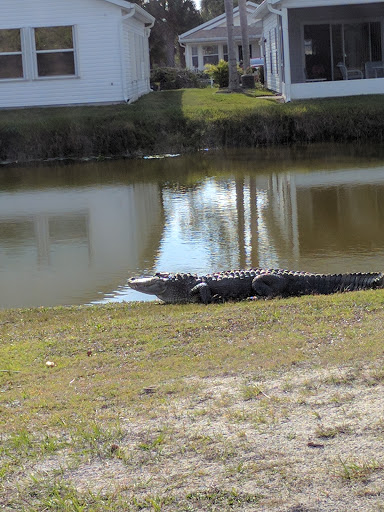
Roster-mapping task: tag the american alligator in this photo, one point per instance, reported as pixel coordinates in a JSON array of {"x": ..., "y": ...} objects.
[{"x": 243, "y": 284}]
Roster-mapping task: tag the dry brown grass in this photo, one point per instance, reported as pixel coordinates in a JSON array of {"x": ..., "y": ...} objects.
[{"x": 274, "y": 406}]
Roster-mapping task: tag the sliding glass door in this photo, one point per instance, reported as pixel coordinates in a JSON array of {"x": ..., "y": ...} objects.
[
  {"x": 352, "y": 44},
  {"x": 317, "y": 41}
]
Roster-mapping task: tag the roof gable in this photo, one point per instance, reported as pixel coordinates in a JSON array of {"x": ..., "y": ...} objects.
[{"x": 218, "y": 22}]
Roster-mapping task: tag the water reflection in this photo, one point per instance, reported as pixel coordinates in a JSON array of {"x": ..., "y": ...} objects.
[
  {"x": 74, "y": 234},
  {"x": 71, "y": 246}
]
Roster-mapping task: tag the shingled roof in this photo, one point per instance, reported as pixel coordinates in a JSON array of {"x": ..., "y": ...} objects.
[{"x": 215, "y": 29}]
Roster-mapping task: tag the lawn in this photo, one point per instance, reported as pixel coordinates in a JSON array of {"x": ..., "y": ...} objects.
[
  {"x": 185, "y": 121},
  {"x": 267, "y": 405}
]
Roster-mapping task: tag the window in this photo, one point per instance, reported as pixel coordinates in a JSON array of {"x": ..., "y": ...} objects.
[
  {"x": 195, "y": 56},
  {"x": 270, "y": 53},
  {"x": 210, "y": 54},
  {"x": 55, "y": 54},
  {"x": 240, "y": 52},
  {"x": 225, "y": 52},
  {"x": 11, "y": 57}
]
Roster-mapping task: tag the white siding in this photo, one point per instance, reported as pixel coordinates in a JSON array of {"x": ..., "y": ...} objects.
[
  {"x": 272, "y": 52},
  {"x": 100, "y": 76},
  {"x": 136, "y": 59}
]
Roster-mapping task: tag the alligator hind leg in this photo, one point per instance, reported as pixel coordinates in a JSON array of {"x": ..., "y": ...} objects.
[
  {"x": 202, "y": 292},
  {"x": 269, "y": 285}
]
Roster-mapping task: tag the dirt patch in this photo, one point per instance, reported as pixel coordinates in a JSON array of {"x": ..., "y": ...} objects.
[{"x": 305, "y": 440}]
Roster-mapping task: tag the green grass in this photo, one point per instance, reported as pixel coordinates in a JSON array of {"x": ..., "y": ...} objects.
[
  {"x": 185, "y": 120},
  {"x": 136, "y": 388}
]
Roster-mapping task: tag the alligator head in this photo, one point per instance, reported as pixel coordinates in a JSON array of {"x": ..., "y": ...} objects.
[{"x": 170, "y": 288}]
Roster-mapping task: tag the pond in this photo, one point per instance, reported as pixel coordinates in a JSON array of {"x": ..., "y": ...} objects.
[{"x": 74, "y": 233}]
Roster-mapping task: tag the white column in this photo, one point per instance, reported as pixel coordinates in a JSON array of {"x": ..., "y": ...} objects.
[{"x": 287, "y": 59}]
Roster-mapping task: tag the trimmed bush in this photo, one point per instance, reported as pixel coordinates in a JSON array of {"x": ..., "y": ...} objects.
[
  {"x": 173, "y": 78},
  {"x": 220, "y": 73}
]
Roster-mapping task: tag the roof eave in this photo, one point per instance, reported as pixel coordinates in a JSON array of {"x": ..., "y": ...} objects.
[
  {"x": 215, "y": 39},
  {"x": 139, "y": 11}
]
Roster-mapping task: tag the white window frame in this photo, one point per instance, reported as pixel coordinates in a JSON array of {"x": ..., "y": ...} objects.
[
  {"x": 22, "y": 53},
  {"x": 29, "y": 54},
  {"x": 36, "y": 52},
  {"x": 195, "y": 56},
  {"x": 213, "y": 45}
]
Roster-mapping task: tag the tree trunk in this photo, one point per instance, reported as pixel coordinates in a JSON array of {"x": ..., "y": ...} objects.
[
  {"x": 169, "y": 48},
  {"x": 232, "y": 65},
  {"x": 244, "y": 34}
]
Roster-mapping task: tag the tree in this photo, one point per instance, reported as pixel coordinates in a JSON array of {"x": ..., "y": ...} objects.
[
  {"x": 244, "y": 34},
  {"x": 212, "y": 8},
  {"x": 173, "y": 17},
  {"x": 233, "y": 76}
]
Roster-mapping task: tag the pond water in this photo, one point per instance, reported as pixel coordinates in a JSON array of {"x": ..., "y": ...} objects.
[{"x": 74, "y": 234}]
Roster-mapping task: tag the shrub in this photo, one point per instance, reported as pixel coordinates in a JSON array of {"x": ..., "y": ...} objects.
[
  {"x": 174, "y": 78},
  {"x": 219, "y": 72}
]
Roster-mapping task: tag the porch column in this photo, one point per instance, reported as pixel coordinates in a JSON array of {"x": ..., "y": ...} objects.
[
  {"x": 221, "y": 51},
  {"x": 200, "y": 57},
  {"x": 286, "y": 54},
  {"x": 188, "y": 57}
]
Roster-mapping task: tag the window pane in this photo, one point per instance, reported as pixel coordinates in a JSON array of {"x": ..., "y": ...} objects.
[
  {"x": 210, "y": 50},
  {"x": 53, "y": 38},
  {"x": 10, "y": 41},
  {"x": 195, "y": 61},
  {"x": 194, "y": 50},
  {"x": 210, "y": 59},
  {"x": 58, "y": 63},
  {"x": 11, "y": 66},
  {"x": 356, "y": 44},
  {"x": 337, "y": 50},
  {"x": 376, "y": 53},
  {"x": 225, "y": 52}
]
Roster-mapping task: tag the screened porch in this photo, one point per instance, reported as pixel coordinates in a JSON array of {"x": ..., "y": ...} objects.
[{"x": 342, "y": 51}]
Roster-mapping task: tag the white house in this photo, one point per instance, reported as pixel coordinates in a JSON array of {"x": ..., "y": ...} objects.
[
  {"x": 62, "y": 52},
  {"x": 207, "y": 43},
  {"x": 323, "y": 48}
]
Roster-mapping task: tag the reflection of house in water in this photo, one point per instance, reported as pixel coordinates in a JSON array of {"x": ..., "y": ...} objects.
[
  {"x": 69, "y": 245},
  {"x": 316, "y": 221}
]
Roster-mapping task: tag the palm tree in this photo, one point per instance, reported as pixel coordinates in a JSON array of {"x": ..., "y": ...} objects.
[
  {"x": 244, "y": 34},
  {"x": 233, "y": 84}
]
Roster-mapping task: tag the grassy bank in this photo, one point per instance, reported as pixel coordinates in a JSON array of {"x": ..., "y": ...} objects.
[
  {"x": 185, "y": 120},
  {"x": 269, "y": 405}
]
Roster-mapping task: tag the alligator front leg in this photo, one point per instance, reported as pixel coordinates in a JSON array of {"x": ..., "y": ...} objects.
[
  {"x": 202, "y": 292},
  {"x": 269, "y": 285}
]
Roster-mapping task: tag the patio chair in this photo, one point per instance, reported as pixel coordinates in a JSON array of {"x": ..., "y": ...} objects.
[
  {"x": 374, "y": 69},
  {"x": 349, "y": 73}
]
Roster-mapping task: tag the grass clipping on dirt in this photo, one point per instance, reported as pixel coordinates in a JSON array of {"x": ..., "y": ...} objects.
[{"x": 266, "y": 405}]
